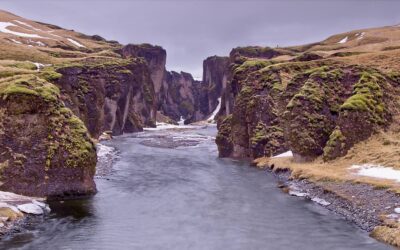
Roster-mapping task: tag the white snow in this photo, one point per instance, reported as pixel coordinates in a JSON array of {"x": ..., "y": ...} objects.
[
  {"x": 215, "y": 112},
  {"x": 27, "y": 25},
  {"x": 361, "y": 36},
  {"x": 39, "y": 43},
  {"x": 321, "y": 201},
  {"x": 11, "y": 197},
  {"x": 397, "y": 210},
  {"x": 5, "y": 25},
  {"x": 76, "y": 43},
  {"x": 15, "y": 41},
  {"x": 377, "y": 171},
  {"x": 38, "y": 66},
  {"x": 344, "y": 40},
  {"x": 286, "y": 154},
  {"x": 30, "y": 208},
  {"x": 297, "y": 193}
]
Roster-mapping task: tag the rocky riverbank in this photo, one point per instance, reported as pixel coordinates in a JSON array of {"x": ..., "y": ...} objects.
[
  {"x": 372, "y": 208},
  {"x": 17, "y": 210}
]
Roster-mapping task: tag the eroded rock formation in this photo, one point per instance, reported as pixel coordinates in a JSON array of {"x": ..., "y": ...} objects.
[
  {"x": 312, "y": 108},
  {"x": 45, "y": 149},
  {"x": 109, "y": 95}
]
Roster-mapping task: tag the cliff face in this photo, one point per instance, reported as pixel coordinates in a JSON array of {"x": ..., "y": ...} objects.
[
  {"x": 45, "y": 149},
  {"x": 313, "y": 108},
  {"x": 215, "y": 78},
  {"x": 178, "y": 94},
  {"x": 56, "y": 92},
  {"x": 156, "y": 58},
  {"x": 109, "y": 95}
]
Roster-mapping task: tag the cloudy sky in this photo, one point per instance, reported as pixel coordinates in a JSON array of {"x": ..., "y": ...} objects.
[{"x": 191, "y": 30}]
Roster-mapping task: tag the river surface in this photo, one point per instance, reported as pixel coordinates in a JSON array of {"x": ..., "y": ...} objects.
[{"x": 166, "y": 192}]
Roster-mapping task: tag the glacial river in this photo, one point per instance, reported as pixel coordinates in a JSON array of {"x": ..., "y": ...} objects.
[{"x": 159, "y": 196}]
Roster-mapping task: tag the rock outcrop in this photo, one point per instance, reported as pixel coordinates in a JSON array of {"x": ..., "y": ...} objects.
[
  {"x": 312, "y": 108},
  {"x": 178, "y": 95},
  {"x": 45, "y": 149},
  {"x": 109, "y": 94}
]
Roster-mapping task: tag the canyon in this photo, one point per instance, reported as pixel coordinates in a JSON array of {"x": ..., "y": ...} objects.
[{"x": 329, "y": 105}]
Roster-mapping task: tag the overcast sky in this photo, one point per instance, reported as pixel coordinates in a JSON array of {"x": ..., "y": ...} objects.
[{"x": 191, "y": 30}]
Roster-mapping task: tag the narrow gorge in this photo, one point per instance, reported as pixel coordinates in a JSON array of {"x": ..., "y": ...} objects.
[{"x": 103, "y": 147}]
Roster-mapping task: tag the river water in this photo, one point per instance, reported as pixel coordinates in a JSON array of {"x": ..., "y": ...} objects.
[{"x": 166, "y": 192}]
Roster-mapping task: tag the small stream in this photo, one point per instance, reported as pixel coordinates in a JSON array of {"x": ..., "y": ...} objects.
[{"x": 169, "y": 190}]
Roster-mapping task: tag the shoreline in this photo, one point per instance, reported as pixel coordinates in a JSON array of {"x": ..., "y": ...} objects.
[{"x": 361, "y": 204}]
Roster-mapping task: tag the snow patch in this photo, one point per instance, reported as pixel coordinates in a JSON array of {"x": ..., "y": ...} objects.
[
  {"x": 297, "y": 193},
  {"x": 344, "y": 40},
  {"x": 320, "y": 201},
  {"x": 361, "y": 36},
  {"x": 27, "y": 25},
  {"x": 76, "y": 43},
  {"x": 30, "y": 208},
  {"x": 15, "y": 41},
  {"x": 215, "y": 112},
  {"x": 38, "y": 66},
  {"x": 5, "y": 25},
  {"x": 377, "y": 171},
  {"x": 286, "y": 154},
  {"x": 39, "y": 43}
]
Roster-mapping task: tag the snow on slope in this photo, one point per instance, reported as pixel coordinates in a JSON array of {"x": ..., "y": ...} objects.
[
  {"x": 377, "y": 171},
  {"x": 76, "y": 43},
  {"x": 344, "y": 40},
  {"x": 5, "y": 25}
]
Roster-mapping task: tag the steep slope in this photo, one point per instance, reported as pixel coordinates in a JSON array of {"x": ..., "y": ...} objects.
[
  {"x": 45, "y": 149},
  {"x": 58, "y": 89},
  {"x": 317, "y": 99},
  {"x": 178, "y": 95}
]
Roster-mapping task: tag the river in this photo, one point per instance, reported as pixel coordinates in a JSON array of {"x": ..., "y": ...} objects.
[{"x": 166, "y": 191}]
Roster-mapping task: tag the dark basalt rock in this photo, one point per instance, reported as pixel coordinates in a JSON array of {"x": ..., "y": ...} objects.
[
  {"x": 312, "y": 108},
  {"x": 45, "y": 149},
  {"x": 116, "y": 95}
]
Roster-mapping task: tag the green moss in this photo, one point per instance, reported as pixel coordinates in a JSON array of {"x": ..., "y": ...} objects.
[
  {"x": 28, "y": 85},
  {"x": 367, "y": 97},
  {"x": 253, "y": 64},
  {"x": 336, "y": 142},
  {"x": 49, "y": 75}
]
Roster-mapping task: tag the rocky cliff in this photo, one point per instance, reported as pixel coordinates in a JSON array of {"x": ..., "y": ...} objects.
[
  {"x": 57, "y": 92},
  {"x": 109, "y": 94},
  {"x": 279, "y": 100},
  {"x": 45, "y": 149},
  {"x": 178, "y": 95}
]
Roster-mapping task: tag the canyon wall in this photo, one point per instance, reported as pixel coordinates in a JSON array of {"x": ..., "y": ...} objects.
[
  {"x": 109, "y": 95},
  {"x": 178, "y": 95},
  {"x": 45, "y": 149},
  {"x": 313, "y": 108}
]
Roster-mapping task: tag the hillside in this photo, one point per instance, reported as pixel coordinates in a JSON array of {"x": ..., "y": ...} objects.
[
  {"x": 60, "y": 90},
  {"x": 329, "y": 111}
]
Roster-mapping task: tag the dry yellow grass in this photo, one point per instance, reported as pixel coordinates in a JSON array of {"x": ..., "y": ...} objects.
[{"x": 383, "y": 148}]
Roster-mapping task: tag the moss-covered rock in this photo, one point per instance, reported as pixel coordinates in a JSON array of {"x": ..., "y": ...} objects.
[
  {"x": 224, "y": 137},
  {"x": 313, "y": 108},
  {"x": 45, "y": 149},
  {"x": 109, "y": 94}
]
